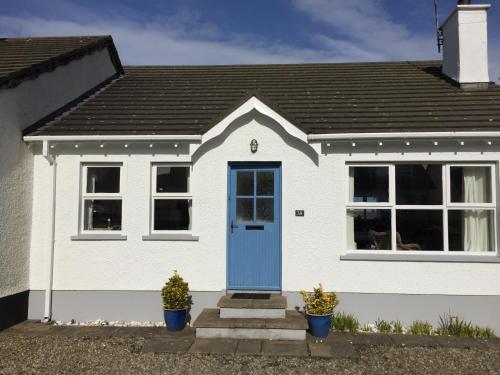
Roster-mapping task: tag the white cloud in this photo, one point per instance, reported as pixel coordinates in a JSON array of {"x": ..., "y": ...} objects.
[
  {"x": 360, "y": 31},
  {"x": 369, "y": 28},
  {"x": 370, "y": 32},
  {"x": 155, "y": 43}
]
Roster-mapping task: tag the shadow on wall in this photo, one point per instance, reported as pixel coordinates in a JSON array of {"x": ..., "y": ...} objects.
[
  {"x": 263, "y": 120},
  {"x": 13, "y": 309}
]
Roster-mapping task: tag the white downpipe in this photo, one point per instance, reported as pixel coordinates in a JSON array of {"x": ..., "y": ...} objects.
[{"x": 50, "y": 271}]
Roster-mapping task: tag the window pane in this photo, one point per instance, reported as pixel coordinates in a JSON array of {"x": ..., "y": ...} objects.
[
  {"x": 419, "y": 184},
  {"x": 102, "y": 214},
  {"x": 419, "y": 229},
  {"x": 470, "y": 184},
  {"x": 369, "y": 229},
  {"x": 265, "y": 209},
  {"x": 244, "y": 209},
  {"x": 369, "y": 184},
  {"x": 265, "y": 183},
  {"x": 172, "y": 214},
  {"x": 103, "y": 179},
  {"x": 172, "y": 179},
  {"x": 244, "y": 183},
  {"x": 471, "y": 230}
]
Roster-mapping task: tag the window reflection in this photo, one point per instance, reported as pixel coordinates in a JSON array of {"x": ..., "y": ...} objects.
[{"x": 369, "y": 184}]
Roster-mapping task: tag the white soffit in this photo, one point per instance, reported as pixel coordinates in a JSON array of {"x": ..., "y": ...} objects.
[{"x": 402, "y": 136}]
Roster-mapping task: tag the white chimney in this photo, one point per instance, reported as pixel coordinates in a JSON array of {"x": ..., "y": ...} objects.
[{"x": 465, "y": 45}]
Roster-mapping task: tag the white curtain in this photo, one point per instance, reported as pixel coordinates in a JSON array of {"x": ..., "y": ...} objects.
[
  {"x": 351, "y": 244},
  {"x": 476, "y": 231}
]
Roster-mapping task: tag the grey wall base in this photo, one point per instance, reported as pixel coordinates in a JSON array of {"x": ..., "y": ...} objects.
[
  {"x": 112, "y": 305},
  {"x": 367, "y": 307}
]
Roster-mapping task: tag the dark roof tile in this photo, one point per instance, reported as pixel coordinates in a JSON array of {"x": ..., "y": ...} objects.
[
  {"x": 318, "y": 98},
  {"x": 23, "y": 58}
]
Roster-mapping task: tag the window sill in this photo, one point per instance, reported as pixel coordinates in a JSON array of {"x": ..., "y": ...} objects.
[
  {"x": 449, "y": 258},
  {"x": 170, "y": 237},
  {"x": 99, "y": 237}
]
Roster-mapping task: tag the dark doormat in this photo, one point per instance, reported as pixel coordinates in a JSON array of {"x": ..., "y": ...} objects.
[{"x": 251, "y": 296}]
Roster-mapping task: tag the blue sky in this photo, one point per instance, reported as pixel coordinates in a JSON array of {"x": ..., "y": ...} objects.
[{"x": 247, "y": 31}]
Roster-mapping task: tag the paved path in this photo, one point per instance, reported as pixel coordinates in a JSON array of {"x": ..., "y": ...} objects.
[{"x": 337, "y": 345}]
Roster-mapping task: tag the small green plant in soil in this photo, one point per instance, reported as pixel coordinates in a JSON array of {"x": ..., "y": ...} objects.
[
  {"x": 420, "y": 327},
  {"x": 383, "y": 326},
  {"x": 397, "y": 327},
  {"x": 345, "y": 322},
  {"x": 366, "y": 328},
  {"x": 450, "y": 325}
]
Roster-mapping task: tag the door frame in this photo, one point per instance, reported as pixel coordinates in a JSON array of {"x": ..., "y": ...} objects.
[{"x": 254, "y": 164}]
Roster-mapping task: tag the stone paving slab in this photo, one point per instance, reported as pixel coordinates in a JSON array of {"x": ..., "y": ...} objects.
[
  {"x": 285, "y": 348},
  {"x": 166, "y": 345},
  {"x": 214, "y": 346},
  {"x": 333, "y": 350},
  {"x": 249, "y": 347},
  {"x": 415, "y": 340},
  {"x": 459, "y": 342},
  {"x": 492, "y": 343},
  {"x": 363, "y": 338}
]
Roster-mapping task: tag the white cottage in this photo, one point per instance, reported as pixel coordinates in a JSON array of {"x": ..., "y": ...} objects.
[
  {"x": 38, "y": 78},
  {"x": 379, "y": 180}
]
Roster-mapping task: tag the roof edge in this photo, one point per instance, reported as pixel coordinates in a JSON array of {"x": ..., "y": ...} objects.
[
  {"x": 15, "y": 78},
  {"x": 68, "y": 106},
  {"x": 402, "y": 135},
  {"x": 101, "y": 138}
]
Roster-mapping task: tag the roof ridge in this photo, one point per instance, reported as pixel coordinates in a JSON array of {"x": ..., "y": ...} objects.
[
  {"x": 313, "y": 64},
  {"x": 38, "y": 37}
]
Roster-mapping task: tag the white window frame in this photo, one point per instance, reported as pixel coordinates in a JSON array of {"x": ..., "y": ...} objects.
[
  {"x": 99, "y": 196},
  {"x": 166, "y": 196},
  {"x": 446, "y": 206}
]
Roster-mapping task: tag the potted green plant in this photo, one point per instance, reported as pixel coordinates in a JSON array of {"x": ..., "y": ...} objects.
[
  {"x": 319, "y": 307},
  {"x": 175, "y": 295}
]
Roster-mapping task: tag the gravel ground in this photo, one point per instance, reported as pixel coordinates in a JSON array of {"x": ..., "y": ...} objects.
[{"x": 58, "y": 354}]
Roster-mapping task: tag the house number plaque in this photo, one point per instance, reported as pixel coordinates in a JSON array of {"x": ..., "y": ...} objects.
[{"x": 299, "y": 212}]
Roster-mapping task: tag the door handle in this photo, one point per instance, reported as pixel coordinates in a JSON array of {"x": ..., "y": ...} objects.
[{"x": 233, "y": 226}]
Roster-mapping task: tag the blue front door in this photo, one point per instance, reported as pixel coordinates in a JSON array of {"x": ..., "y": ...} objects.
[{"x": 254, "y": 227}]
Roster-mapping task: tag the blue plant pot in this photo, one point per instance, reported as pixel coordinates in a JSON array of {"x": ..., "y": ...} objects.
[
  {"x": 175, "y": 319},
  {"x": 319, "y": 325}
]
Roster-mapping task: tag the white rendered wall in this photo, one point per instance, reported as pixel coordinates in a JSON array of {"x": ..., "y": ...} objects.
[
  {"x": 20, "y": 107},
  {"x": 311, "y": 245},
  {"x": 465, "y": 48}
]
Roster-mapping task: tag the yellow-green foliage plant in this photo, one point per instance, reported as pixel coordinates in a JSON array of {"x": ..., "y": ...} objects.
[
  {"x": 175, "y": 293},
  {"x": 319, "y": 302}
]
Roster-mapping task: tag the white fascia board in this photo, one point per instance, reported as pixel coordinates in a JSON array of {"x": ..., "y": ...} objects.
[
  {"x": 100, "y": 138},
  {"x": 254, "y": 104},
  {"x": 465, "y": 7},
  {"x": 409, "y": 135}
]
